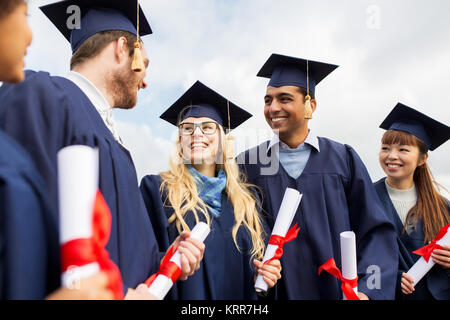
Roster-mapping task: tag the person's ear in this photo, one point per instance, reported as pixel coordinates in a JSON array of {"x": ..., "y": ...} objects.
[
  {"x": 121, "y": 49},
  {"x": 313, "y": 105},
  {"x": 423, "y": 160}
]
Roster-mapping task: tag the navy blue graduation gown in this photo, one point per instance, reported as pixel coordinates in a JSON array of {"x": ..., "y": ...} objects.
[
  {"x": 338, "y": 196},
  {"x": 45, "y": 114},
  {"x": 436, "y": 284},
  {"x": 29, "y": 252},
  {"x": 225, "y": 273}
]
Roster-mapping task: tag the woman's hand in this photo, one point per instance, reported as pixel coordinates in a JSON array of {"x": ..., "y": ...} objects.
[
  {"x": 407, "y": 284},
  {"x": 442, "y": 256}
]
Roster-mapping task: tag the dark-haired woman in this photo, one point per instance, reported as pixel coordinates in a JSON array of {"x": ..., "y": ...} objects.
[{"x": 412, "y": 200}]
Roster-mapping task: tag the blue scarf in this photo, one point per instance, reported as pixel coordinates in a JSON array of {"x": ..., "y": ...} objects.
[{"x": 210, "y": 189}]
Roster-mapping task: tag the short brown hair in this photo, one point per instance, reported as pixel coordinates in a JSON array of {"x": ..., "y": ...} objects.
[
  {"x": 8, "y": 6},
  {"x": 96, "y": 43}
]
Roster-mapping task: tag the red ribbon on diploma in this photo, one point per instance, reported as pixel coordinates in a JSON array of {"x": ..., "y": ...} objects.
[
  {"x": 280, "y": 241},
  {"x": 347, "y": 284},
  {"x": 79, "y": 252},
  {"x": 427, "y": 250},
  {"x": 167, "y": 268}
]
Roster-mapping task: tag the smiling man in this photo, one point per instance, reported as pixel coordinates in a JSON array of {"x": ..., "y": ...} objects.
[
  {"x": 47, "y": 113},
  {"x": 337, "y": 191}
]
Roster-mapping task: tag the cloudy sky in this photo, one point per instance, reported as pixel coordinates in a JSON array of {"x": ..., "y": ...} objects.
[{"x": 388, "y": 52}]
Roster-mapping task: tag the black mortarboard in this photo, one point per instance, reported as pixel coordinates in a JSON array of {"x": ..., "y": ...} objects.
[
  {"x": 201, "y": 101},
  {"x": 290, "y": 71},
  {"x": 96, "y": 16},
  {"x": 430, "y": 131}
]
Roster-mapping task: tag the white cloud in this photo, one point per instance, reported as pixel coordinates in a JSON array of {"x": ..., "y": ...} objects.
[
  {"x": 224, "y": 43},
  {"x": 150, "y": 154}
]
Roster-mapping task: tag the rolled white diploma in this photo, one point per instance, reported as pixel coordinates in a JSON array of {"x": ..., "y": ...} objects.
[
  {"x": 286, "y": 213},
  {"x": 348, "y": 257},
  {"x": 162, "y": 284},
  {"x": 77, "y": 187},
  {"x": 421, "y": 267}
]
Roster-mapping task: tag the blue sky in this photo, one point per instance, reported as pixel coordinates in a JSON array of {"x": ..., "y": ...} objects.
[{"x": 388, "y": 52}]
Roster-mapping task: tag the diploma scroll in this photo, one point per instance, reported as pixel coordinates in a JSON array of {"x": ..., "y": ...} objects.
[
  {"x": 77, "y": 185},
  {"x": 422, "y": 266},
  {"x": 161, "y": 284},
  {"x": 286, "y": 213},
  {"x": 349, "y": 274},
  {"x": 348, "y": 257}
]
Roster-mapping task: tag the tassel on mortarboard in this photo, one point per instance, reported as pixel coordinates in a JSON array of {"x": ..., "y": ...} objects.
[
  {"x": 308, "y": 108},
  {"x": 138, "y": 64},
  {"x": 229, "y": 143}
]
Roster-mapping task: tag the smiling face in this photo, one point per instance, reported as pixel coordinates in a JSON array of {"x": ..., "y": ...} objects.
[
  {"x": 200, "y": 148},
  {"x": 399, "y": 161},
  {"x": 399, "y": 157},
  {"x": 284, "y": 110},
  {"x": 15, "y": 37}
]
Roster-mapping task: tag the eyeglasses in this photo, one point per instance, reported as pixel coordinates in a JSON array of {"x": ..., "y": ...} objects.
[{"x": 188, "y": 128}]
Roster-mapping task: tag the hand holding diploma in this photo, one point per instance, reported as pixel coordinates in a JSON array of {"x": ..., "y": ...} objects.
[
  {"x": 182, "y": 260},
  {"x": 191, "y": 253},
  {"x": 270, "y": 271},
  {"x": 280, "y": 235},
  {"x": 435, "y": 249},
  {"x": 349, "y": 275},
  {"x": 85, "y": 221},
  {"x": 442, "y": 256}
]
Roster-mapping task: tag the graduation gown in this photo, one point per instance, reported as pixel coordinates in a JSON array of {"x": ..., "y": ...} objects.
[
  {"x": 225, "y": 273},
  {"x": 338, "y": 196},
  {"x": 29, "y": 252},
  {"x": 45, "y": 114},
  {"x": 436, "y": 284}
]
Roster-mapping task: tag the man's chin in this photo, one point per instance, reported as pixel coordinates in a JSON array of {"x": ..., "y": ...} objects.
[{"x": 126, "y": 105}]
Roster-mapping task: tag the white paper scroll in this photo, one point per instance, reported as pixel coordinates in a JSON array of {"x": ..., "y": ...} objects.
[
  {"x": 162, "y": 284},
  {"x": 286, "y": 213},
  {"x": 421, "y": 267},
  {"x": 77, "y": 185},
  {"x": 348, "y": 257}
]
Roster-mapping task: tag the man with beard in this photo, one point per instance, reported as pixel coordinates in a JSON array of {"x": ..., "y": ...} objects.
[{"x": 47, "y": 113}]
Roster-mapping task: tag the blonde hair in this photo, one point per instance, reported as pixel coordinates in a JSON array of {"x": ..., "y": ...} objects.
[{"x": 182, "y": 196}]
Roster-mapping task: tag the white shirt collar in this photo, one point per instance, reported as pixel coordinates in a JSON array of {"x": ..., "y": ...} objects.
[
  {"x": 311, "y": 139},
  {"x": 98, "y": 100}
]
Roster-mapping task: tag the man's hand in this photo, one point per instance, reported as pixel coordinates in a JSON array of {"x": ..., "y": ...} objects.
[
  {"x": 191, "y": 251},
  {"x": 362, "y": 296},
  {"x": 271, "y": 271}
]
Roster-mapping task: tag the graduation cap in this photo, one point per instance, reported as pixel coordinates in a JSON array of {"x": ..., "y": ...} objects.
[
  {"x": 431, "y": 132},
  {"x": 290, "y": 71},
  {"x": 201, "y": 101},
  {"x": 97, "y": 16}
]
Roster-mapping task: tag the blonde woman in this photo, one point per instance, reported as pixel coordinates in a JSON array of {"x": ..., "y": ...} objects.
[{"x": 203, "y": 183}]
